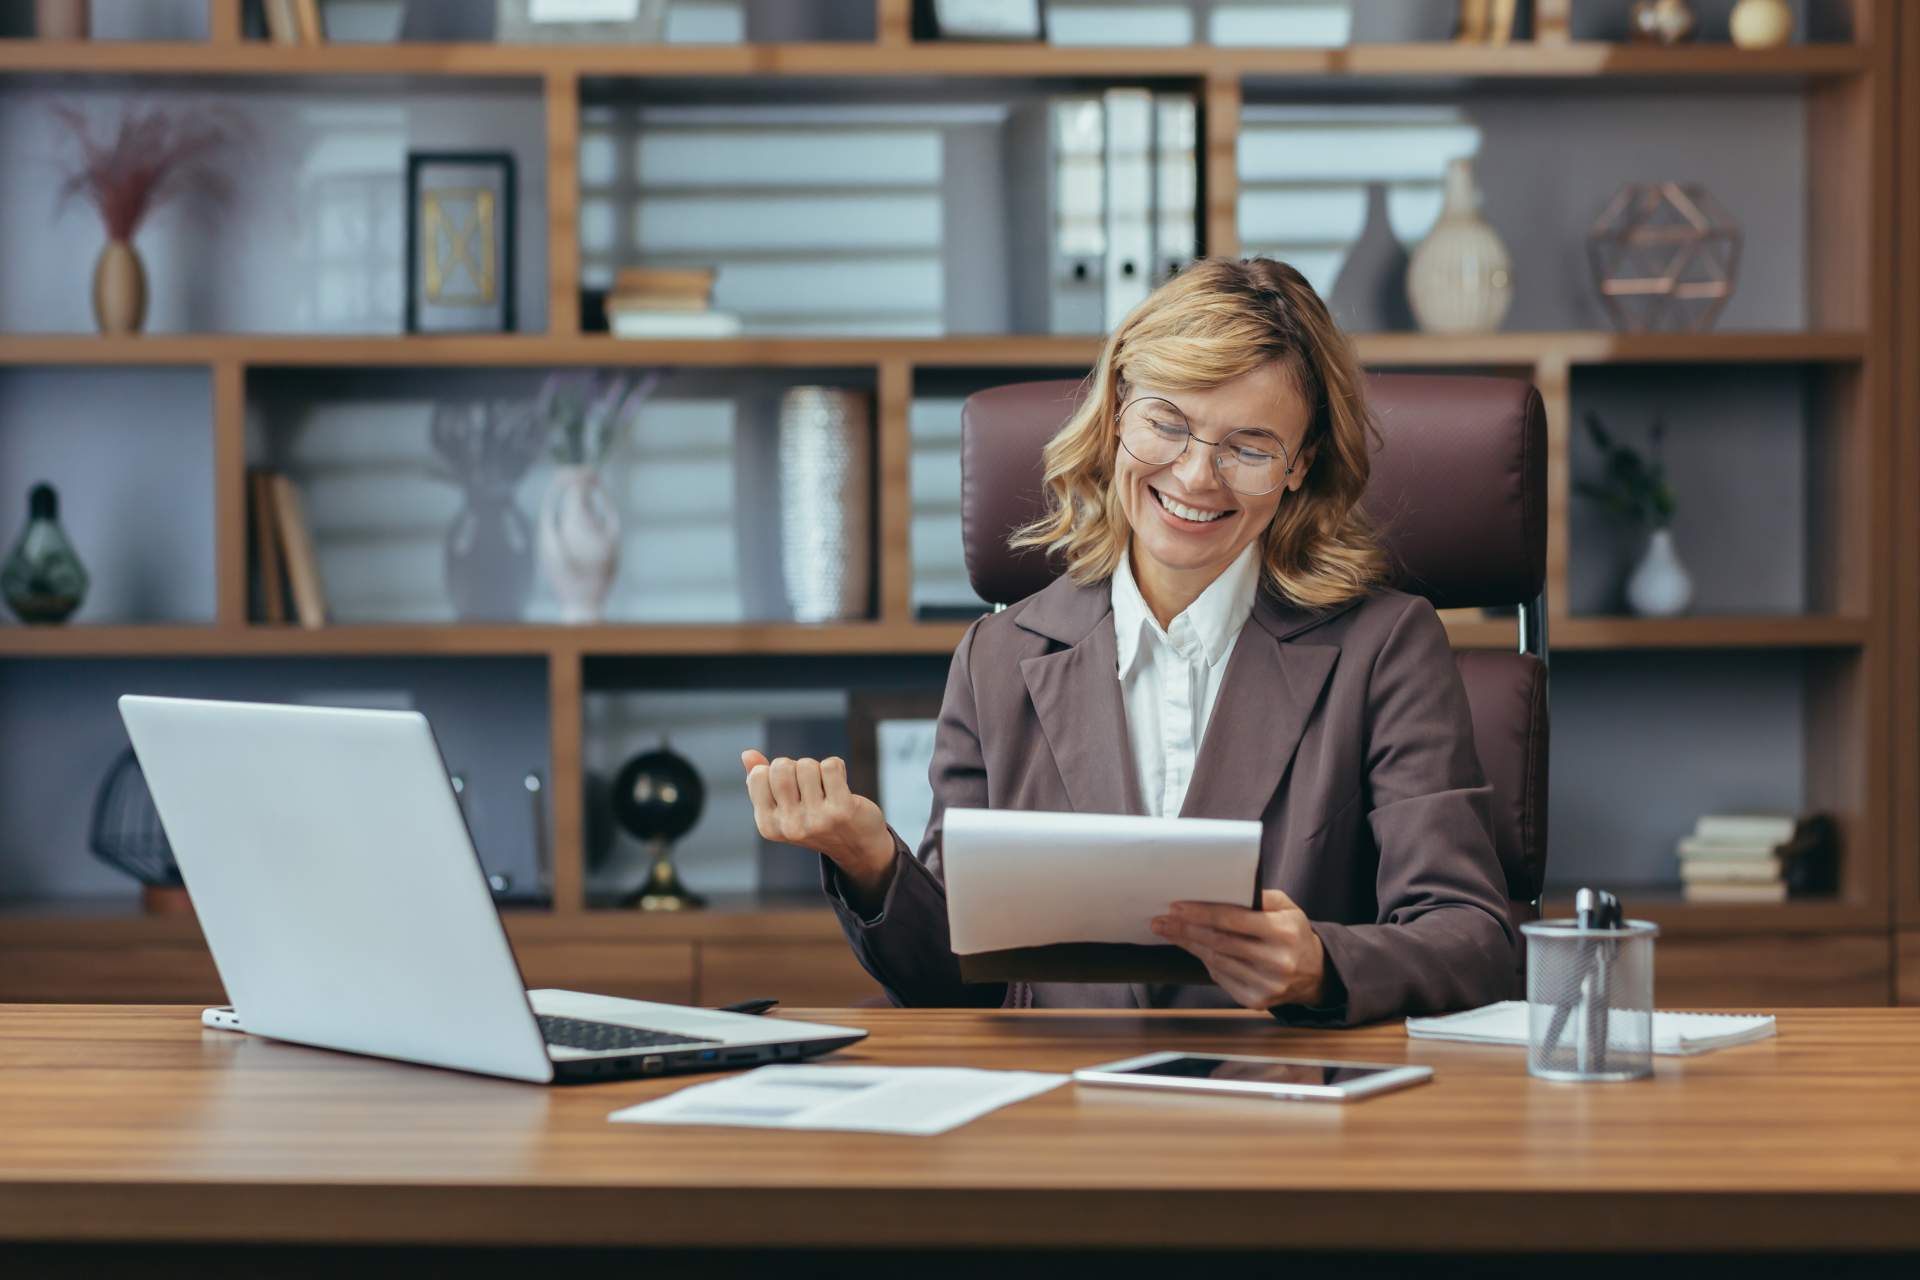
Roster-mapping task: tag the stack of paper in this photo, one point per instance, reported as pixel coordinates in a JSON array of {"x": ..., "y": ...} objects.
[
  {"x": 914, "y": 1100},
  {"x": 1676, "y": 1034}
]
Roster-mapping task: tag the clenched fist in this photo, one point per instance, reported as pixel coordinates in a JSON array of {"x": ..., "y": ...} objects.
[{"x": 807, "y": 803}]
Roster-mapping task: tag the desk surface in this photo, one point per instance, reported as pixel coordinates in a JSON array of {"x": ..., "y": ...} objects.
[{"x": 116, "y": 1123}]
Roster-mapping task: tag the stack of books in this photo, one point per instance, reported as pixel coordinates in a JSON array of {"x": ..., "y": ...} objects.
[
  {"x": 293, "y": 21},
  {"x": 283, "y": 553},
  {"x": 658, "y": 302},
  {"x": 1756, "y": 857}
]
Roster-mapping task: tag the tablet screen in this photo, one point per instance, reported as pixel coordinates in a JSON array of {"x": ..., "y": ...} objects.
[{"x": 1265, "y": 1071}]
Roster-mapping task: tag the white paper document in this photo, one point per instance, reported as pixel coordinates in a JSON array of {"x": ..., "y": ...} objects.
[
  {"x": 1675, "y": 1034},
  {"x": 912, "y": 1100},
  {"x": 1018, "y": 879}
]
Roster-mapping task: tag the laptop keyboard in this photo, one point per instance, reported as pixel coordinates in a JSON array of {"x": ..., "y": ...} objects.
[{"x": 578, "y": 1033}]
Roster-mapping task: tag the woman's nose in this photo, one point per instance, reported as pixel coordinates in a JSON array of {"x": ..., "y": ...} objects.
[{"x": 1194, "y": 469}]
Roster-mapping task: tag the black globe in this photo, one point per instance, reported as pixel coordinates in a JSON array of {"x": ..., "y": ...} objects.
[{"x": 658, "y": 796}]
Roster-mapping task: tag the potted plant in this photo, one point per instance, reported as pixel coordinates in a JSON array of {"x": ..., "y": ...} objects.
[
  {"x": 579, "y": 531},
  {"x": 151, "y": 155},
  {"x": 1633, "y": 488}
]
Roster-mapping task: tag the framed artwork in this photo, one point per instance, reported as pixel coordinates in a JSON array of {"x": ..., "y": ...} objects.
[
  {"x": 889, "y": 747},
  {"x": 460, "y": 242}
]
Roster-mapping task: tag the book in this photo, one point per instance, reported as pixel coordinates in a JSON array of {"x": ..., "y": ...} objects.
[
  {"x": 306, "y": 16},
  {"x": 1675, "y": 1034},
  {"x": 1721, "y": 891},
  {"x": 1695, "y": 849},
  {"x": 1746, "y": 828},
  {"x": 266, "y": 546},
  {"x": 1732, "y": 871},
  {"x": 664, "y": 282},
  {"x": 303, "y": 568},
  {"x": 629, "y": 323},
  {"x": 282, "y": 26},
  {"x": 656, "y": 302}
]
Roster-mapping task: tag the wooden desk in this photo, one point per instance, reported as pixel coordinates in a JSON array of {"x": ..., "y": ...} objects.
[{"x": 135, "y": 1124}]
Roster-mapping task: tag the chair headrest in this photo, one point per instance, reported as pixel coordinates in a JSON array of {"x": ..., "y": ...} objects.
[{"x": 1457, "y": 493}]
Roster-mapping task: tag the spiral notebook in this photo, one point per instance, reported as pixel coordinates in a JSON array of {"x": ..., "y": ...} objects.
[{"x": 1678, "y": 1034}]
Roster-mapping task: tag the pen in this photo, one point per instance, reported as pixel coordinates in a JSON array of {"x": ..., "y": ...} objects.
[{"x": 749, "y": 1006}]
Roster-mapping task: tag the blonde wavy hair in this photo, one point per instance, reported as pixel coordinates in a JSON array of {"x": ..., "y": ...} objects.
[{"x": 1218, "y": 319}]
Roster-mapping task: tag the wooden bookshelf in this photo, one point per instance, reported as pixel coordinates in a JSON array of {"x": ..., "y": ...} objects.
[{"x": 1858, "y": 640}]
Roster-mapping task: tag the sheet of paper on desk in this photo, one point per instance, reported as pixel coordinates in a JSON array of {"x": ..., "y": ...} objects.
[
  {"x": 1017, "y": 879},
  {"x": 913, "y": 1100}
]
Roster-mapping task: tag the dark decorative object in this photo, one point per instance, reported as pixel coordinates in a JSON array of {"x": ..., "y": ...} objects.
[
  {"x": 460, "y": 242},
  {"x": 43, "y": 579},
  {"x": 127, "y": 836},
  {"x": 1370, "y": 293},
  {"x": 1665, "y": 256},
  {"x": 486, "y": 449},
  {"x": 657, "y": 797}
]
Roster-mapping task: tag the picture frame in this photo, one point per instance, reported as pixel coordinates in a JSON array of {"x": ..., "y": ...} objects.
[
  {"x": 884, "y": 728},
  {"x": 460, "y": 242},
  {"x": 990, "y": 20}
]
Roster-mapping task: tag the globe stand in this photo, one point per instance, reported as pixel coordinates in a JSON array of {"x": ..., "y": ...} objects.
[{"x": 663, "y": 890}]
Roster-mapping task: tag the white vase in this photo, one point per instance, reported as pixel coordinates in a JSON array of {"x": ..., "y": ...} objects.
[
  {"x": 1760, "y": 24},
  {"x": 1460, "y": 279},
  {"x": 1660, "y": 586},
  {"x": 579, "y": 542},
  {"x": 826, "y": 502}
]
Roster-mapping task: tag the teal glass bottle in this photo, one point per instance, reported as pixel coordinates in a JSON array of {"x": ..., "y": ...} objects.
[{"x": 43, "y": 579}]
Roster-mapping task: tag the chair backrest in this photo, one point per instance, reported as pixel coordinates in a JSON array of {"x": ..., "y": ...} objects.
[{"x": 1458, "y": 495}]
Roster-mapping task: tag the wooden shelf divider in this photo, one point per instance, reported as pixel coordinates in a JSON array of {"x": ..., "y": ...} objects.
[
  {"x": 1701, "y": 65},
  {"x": 1519, "y": 352}
]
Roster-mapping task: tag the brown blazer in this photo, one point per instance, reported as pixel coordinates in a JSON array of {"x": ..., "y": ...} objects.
[{"x": 1344, "y": 731}]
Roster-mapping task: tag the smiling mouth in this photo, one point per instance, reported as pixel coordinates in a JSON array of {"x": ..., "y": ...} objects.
[{"x": 1192, "y": 515}]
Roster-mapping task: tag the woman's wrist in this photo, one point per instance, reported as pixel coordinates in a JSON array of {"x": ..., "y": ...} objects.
[{"x": 868, "y": 874}]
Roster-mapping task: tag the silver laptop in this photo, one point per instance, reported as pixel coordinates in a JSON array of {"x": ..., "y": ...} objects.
[{"x": 345, "y": 907}]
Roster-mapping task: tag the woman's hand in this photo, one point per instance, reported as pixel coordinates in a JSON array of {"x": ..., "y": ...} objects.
[
  {"x": 1261, "y": 958},
  {"x": 807, "y": 803}
]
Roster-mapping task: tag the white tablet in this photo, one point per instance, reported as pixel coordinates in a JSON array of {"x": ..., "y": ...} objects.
[{"x": 1306, "y": 1079}]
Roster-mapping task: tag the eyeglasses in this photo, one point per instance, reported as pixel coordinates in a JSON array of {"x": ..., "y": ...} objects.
[{"x": 1250, "y": 462}]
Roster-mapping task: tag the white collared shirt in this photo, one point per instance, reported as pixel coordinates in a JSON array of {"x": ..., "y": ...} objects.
[{"x": 1170, "y": 679}]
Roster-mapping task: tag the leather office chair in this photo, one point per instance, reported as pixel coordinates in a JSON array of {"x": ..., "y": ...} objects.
[{"x": 1458, "y": 495}]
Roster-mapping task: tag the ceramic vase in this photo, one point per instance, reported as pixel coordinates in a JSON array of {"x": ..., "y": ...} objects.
[
  {"x": 578, "y": 540},
  {"x": 1460, "y": 279},
  {"x": 43, "y": 578},
  {"x": 119, "y": 289},
  {"x": 1760, "y": 24},
  {"x": 1370, "y": 293},
  {"x": 60, "y": 19},
  {"x": 1660, "y": 586},
  {"x": 826, "y": 502}
]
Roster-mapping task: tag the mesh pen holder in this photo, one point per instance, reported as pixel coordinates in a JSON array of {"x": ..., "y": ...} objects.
[{"x": 1589, "y": 1000}]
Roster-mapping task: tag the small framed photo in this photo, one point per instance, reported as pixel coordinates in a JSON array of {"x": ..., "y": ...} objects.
[
  {"x": 990, "y": 19},
  {"x": 889, "y": 748},
  {"x": 460, "y": 242}
]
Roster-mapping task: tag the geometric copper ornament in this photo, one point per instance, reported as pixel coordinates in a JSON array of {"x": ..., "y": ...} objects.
[{"x": 1664, "y": 257}]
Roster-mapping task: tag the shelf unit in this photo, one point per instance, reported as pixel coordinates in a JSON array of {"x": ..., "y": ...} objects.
[{"x": 1864, "y": 704}]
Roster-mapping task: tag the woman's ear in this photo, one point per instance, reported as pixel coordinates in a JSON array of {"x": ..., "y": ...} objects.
[{"x": 1301, "y": 465}]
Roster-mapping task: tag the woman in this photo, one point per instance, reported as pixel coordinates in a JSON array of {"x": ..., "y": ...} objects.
[{"x": 1220, "y": 645}]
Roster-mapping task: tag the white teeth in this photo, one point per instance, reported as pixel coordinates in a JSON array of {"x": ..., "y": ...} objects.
[{"x": 1187, "y": 513}]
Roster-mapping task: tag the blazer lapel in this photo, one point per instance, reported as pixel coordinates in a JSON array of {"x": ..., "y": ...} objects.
[
  {"x": 1076, "y": 697},
  {"x": 1267, "y": 695}
]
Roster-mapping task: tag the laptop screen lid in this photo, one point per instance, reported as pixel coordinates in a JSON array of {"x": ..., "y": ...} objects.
[{"x": 335, "y": 881}]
